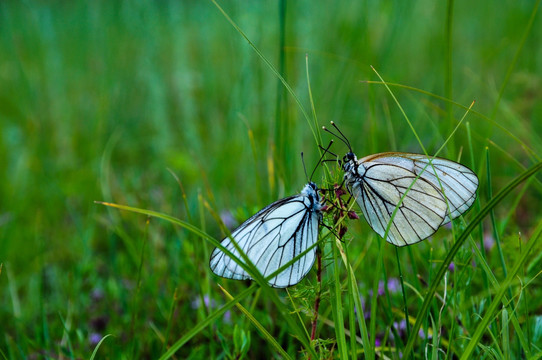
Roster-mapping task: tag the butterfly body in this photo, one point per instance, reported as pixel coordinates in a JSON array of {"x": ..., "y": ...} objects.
[
  {"x": 272, "y": 237},
  {"x": 423, "y": 192}
]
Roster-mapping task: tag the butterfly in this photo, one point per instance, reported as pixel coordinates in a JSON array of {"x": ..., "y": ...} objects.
[
  {"x": 272, "y": 237},
  {"x": 428, "y": 192}
]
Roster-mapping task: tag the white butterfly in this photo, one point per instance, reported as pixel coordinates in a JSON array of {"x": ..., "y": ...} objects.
[
  {"x": 274, "y": 236},
  {"x": 437, "y": 190}
]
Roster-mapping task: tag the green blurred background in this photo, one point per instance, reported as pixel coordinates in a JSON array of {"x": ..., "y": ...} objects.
[{"x": 99, "y": 99}]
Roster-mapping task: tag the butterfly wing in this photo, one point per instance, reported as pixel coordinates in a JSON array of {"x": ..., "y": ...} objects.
[
  {"x": 457, "y": 182},
  {"x": 271, "y": 238},
  {"x": 378, "y": 183}
]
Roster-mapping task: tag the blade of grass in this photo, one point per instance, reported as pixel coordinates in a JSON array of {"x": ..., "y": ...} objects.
[
  {"x": 266, "y": 335},
  {"x": 136, "y": 297},
  {"x": 296, "y": 311},
  {"x": 105, "y": 181},
  {"x": 271, "y": 67},
  {"x": 448, "y": 80},
  {"x": 351, "y": 315},
  {"x": 313, "y": 108},
  {"x": 203, "y": 324},
  {"x": 492, "y": 309},
  {"x": 481, "y": 261},
  {"x": 95, "y": 351},
  {"x": 533, "y": 154},
  {"x": 402, "y": 112},
  {"x": 374, "y": 299},
  {"x": 172, "y": 307},
  {"x": 368, "y": 348},
  {"x": 455, "y": 248},
  {"x": 402, "y": 281},
  {"x": 282, "y": 123},
  {"x": 477, "y": 206},
  {"x": 245, "y": 264},
  {"x": 505, "y": 334},
  {"x": 515, "y": 58},
  {"x": 493, "y": 221},
  {"x": 336, "y": 303}
]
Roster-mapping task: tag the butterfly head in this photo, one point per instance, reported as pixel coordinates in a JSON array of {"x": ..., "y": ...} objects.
[
  {"x": 349, "y": 161},
  {"x": 311, "y": 191}
]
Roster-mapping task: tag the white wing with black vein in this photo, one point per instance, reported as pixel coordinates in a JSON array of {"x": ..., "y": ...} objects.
[
  {"x": 272, "y": 237},
  {"x": 378, "y": 182}
]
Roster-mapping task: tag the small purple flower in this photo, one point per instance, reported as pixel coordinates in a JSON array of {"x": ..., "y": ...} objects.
[
  {"x": 227, "y": 317},
  {"x": 381, "y": 289},
  {"x": 421, "y": 334},
  {"x": 451, "y": 267},
  {"x": 228, "y": 219},
  {"x": 378, "y": 342},
  {"x": 97, "y": 294},
  {"x": 400, "y": 326},
  {"x": 394, "y": 285},
  {"x": 94, "y": 339},
  {"x": 207, "y": 301},
  {"x": 489, "y": 241}
]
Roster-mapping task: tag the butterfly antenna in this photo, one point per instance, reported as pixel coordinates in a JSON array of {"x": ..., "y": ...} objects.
[
  {"x": 343, "y": 136},
  {"x": 326, "y": 150}
]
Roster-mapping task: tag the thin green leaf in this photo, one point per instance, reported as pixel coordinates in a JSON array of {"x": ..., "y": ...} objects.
[
  {"x": 266, "y": 335},
  {"x": 337, "y": 307},
  {"x": 203, "y": 324},
  {"x": 492, "y": 309},
  {"x": 98, "y": 346},
  {"x": 246, "y": 265},
  {"x": 271, "y": 67},
  {"x": 455, "y": 248}
]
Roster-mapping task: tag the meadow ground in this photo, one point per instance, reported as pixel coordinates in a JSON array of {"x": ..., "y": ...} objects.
[{"x": 164, "y": 106}]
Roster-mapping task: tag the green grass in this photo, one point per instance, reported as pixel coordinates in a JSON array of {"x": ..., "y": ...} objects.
[{"x": 164, "y": 107}]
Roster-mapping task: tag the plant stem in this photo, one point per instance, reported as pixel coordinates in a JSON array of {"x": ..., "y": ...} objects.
[{"x": 318, "y": 293}]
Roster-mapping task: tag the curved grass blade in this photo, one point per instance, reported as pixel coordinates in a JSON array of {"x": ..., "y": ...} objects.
[
  {"x": 492, "y": 309},
  {"x": 203, "y": 324},
  {"x": 246, "y": 265},
  {"x": 496, "y": 285},
  {"x": 455, "y": 248},
  {"x": 532, "y": 153},
  {"x": 266, "y": 335},
  {"x": 273, "y": 69},
  {"x": 368, "y": 348},
  {"x": 98, "y": 346},
  {"x": 512, "y": 65}
]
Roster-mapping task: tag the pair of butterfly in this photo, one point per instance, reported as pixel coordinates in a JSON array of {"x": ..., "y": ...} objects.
[{"x": 427, "y": 193}]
